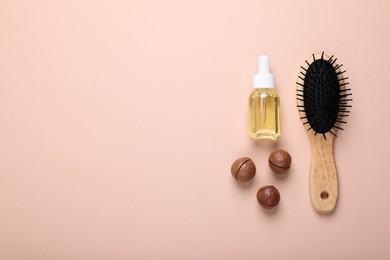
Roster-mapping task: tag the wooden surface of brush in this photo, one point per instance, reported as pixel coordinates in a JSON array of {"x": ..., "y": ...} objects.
[{"x": 323, "y": 104}]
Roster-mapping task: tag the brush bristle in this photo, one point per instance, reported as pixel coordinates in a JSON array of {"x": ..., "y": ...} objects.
[{"x": 324, "y": 98}]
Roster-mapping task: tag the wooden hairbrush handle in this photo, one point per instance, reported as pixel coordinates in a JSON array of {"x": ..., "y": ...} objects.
[{"x": 323, "y": 174}]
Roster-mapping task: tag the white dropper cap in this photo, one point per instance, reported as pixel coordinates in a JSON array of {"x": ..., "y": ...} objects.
[{"x": 263, "y": 78}]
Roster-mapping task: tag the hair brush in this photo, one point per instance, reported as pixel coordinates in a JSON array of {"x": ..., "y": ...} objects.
[{"x": 323, "y": 103}]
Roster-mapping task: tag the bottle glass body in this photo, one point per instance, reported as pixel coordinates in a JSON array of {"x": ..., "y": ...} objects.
[{"x": 264, "y": 120}]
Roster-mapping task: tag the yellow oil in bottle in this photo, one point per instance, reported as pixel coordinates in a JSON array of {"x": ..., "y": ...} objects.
[{"x": 264, "y": 120}]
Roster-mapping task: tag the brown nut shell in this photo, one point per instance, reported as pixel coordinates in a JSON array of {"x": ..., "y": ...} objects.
[
  {"x": 279, "y": 161},
  {"x": 243, "y": 169},
  {"x": 268, "y": 197}
]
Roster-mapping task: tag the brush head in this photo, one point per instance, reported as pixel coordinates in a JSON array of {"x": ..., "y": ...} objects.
[{"x": 322, "y": 96}]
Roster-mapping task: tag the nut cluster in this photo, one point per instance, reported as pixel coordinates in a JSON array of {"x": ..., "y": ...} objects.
[{"x": 244, "y": 170}]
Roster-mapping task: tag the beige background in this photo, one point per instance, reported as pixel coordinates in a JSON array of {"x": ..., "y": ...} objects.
[{"x": 119, "y": 121}]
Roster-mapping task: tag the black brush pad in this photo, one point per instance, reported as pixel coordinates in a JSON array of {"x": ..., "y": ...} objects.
[{"x": 321, "y": 95}]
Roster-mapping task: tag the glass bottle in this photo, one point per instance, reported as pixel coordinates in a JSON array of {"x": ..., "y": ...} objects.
[{"x": 264, "y": 118}]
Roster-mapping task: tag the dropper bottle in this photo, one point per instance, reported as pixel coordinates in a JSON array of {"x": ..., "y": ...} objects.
[{"x": 264, "y": 119}]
